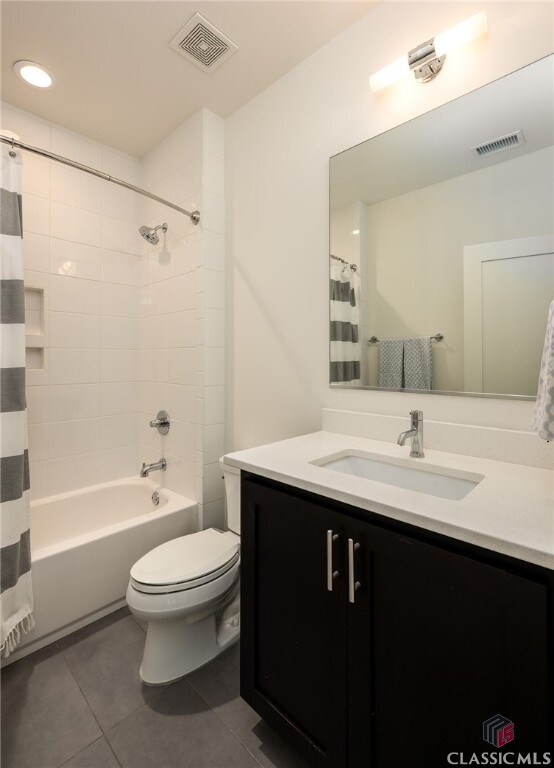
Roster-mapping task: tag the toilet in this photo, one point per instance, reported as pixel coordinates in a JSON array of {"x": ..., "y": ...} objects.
[{"x": 187, "y": 589}]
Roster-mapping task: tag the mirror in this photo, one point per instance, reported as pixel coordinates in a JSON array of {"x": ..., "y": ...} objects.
[{"x": 441, "y": 243}]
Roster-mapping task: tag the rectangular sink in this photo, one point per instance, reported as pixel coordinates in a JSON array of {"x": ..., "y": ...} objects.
[{"x": 403, "y": 473}]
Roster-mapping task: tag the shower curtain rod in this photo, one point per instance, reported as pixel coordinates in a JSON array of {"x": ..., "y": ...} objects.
[{"x": 194, "y": 216}]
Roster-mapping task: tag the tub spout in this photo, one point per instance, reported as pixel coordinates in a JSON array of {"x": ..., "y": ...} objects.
[{"x": 147, "y": 468}]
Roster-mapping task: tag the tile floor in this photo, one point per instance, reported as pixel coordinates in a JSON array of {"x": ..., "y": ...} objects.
[{"x": 79, "y": 704}]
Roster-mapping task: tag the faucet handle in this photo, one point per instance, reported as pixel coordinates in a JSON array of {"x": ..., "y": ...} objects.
[{"x": 161, "y": 422}]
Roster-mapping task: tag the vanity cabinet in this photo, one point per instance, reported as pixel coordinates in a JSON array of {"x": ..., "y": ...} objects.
[{"x": 368, "y": 642}]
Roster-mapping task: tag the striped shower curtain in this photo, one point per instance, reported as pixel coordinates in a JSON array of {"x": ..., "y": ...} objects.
[
  {"x": 16, "y": 598},
  {"x": 343, "y": 331}
]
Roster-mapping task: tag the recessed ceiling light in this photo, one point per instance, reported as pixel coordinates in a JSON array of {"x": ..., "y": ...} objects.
[
  {"x": 355, "y": 231},
  {"x": 33, "y": 74}
]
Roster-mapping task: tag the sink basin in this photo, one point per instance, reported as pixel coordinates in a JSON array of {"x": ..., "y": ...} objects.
[{"x": 403, "y": 473}]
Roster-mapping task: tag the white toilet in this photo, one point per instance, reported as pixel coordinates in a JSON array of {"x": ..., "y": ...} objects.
[{"x": 187, "y": 589}]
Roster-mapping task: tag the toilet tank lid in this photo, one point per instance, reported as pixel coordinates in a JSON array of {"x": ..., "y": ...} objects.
[
  {"x": 186, "y": 558},
  {"x": 225, "y": 467}
]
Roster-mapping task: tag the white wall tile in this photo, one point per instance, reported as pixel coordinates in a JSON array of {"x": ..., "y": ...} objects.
[
  {"x": 214, "y": 134},
  {"x": 68, "y": 294},
  {"x": 121, "y": 235},
  {"x": 180, "y": 402},
  {"x": 120, "y": 430},
  {"x": 180, "y": 476},
  {"x": 120, "y": 203},
  {"x": 214, "y": 330},
  {"x": 183, "y": 254},
  {"x": 118, "y": 398},
  {"x": 37, "y": 404},
  {"x": 76, "y": 224},
  {"x": 72, "y": 259},
  {"x": 158, "y": 298},
  {"x": 74, "y": 366},
  {"x": 29, "y": 128},
  {"x": 214, "y": 174},
  {"x": 36, "y": 213},
  {"x": 214, "y": 289},
  {"x": 39, "y": 479},
  {"x": 121, "y": 166},
  {"x": 36, "y": 175},
  {"x": 213, "y": 218},
  {"x": 124, "y": 268},
  {"x": 154, "y": 365},
  {"x": 74, "y": 401},
  {"x": 120, "y": 365},
  {"x": 182, "y": 292},
  {"x": 214, "y": 251},
  {"x": 214, "y": 362},
  {"x": 214, "y": 406},
  {"x": 182, "y": 366},
  {"x": 153, "y": 397},
  {"x": 76, "y": 147},
  {"x": 76, "y": 188},
  {"x": 180, "y": 440},
  {"x": 120, "y": 300},
  {"x": 38, "y": 441},
  {"x": 69, "y": 438},
  {"x": 213, "y": 484},
  {"x": 120, "y": 333},
  {"x": 182, "y": 332},
  {"x": 120, "y": 462},
  {"x": 36, "y": 252},
  {"x": 72, "y": 330},
  {"x": 73, "y": 472},
  {"x": 214, "y": 442}
]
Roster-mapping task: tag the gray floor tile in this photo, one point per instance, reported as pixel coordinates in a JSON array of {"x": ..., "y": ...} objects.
[
  {"x": 98, "y": 755},
  {"x": 105, "y": 658},
  {"x": 45, "y": 718},
  {"x": 218, "y": 684},
  {"x": 177, "y": 730}
]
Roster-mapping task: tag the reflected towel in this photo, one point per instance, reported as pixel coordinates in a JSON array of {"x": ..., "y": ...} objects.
[
  {"x": 418, "y": 363},
  {"x": 391, "y": 361},
  {"x": 543, "y": 422}
]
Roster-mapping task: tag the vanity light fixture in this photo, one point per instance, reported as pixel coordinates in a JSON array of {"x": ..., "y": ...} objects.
[
  {"x": 33, "y": 74},
  {"x": 426, "y": 59}
]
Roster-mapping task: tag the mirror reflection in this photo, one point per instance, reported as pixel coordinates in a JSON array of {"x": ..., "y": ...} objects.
[{"x": 441, "y": 243}]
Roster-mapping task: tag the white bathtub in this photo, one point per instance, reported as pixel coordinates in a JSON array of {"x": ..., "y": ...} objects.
[{"x": 83, "y": 544}]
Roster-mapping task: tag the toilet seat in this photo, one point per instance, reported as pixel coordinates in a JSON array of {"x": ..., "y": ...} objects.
[{"x": 185, "y": 563}]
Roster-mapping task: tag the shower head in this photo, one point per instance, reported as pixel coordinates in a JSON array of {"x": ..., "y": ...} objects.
[{"x": 150, "y": 234}]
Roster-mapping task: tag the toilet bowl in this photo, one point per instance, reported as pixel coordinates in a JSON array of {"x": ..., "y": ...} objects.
[{"x": 187, "y": 589}]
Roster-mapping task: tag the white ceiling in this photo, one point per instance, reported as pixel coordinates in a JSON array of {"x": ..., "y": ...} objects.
[{"x": 119, "y": 82}]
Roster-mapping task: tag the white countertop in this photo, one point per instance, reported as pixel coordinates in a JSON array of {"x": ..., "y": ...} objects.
[{"x": 510, "y": 511}]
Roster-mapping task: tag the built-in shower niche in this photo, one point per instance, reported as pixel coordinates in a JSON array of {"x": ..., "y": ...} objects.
[{"x": 35, "y": 328}]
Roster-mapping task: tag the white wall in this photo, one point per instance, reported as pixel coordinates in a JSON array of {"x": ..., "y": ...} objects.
[
  {"x": 278, "y": 147},
  {"x": 182, "y": 357},
  {"x": 82, "y": 249}
]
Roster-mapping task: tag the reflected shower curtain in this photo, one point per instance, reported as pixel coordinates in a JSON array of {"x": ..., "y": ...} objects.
[
  {"x": 16, "y": 598},
  {"x": 343, "y": 331}
]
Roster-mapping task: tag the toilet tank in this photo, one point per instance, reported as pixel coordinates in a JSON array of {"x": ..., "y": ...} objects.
[{"x": 231, "y": 475}]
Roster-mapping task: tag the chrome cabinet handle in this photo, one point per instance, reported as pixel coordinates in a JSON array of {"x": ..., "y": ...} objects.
[
  {"x": 331, "y": 574},
  {"x": 353, "y": 585}
]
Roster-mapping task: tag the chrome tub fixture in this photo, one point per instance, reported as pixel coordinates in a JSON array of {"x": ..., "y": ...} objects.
[
  {"x": 147, "y": 468},
  {"x": 161, "y": 422}
]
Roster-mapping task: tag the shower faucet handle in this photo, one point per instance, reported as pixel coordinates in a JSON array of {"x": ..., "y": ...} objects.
[{"x": 161, "y": 422}]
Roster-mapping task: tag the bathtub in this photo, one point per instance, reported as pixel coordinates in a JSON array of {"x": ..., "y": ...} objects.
[{"x": 83, "y": 544}]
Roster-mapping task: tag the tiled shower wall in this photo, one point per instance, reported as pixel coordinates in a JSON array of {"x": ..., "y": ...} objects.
[
  {"x": 182, "y": 358},
  {"x": 129, "y": 329},
  {"x": 84, "y": 257}
]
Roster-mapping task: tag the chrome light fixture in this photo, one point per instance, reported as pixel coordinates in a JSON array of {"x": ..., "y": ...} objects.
[{"x": 426, "y": 60}]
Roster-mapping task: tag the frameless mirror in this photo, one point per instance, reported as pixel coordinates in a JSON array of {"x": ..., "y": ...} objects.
[{"x": 441, "y": 243}]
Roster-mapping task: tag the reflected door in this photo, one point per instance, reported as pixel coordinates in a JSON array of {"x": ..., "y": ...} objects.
[{"x": 508, "y": 287}]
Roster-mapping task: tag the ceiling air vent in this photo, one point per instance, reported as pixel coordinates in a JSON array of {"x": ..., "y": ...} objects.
[
  {"x": 203, "y": 44},
  {"x": 498, "y": 145}
]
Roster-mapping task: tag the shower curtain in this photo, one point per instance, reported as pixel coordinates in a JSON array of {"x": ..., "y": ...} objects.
[
  {"x": 16, "y": 595},
  {"x": 343, "y": 331}
]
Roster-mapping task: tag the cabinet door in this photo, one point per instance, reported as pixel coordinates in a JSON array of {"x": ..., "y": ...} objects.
[
  {"x": 293, "y": 643},
  {"x": 440, "y": 643}
]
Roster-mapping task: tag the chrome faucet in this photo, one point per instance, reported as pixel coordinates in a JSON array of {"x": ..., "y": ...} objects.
[
  {"x": 416, "y": 433},
  {"x": 147, "y": 468}
]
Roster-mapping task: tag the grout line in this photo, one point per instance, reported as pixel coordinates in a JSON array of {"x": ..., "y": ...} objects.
[{"x": 227, "y": 726}]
